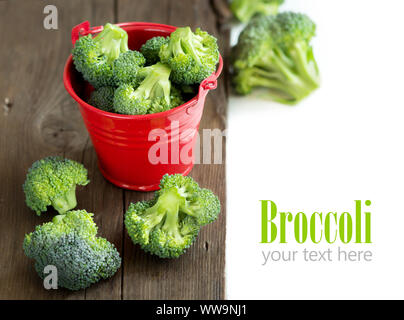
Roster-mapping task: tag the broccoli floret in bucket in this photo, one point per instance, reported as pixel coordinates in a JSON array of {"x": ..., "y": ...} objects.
[{"x": 94, "y": 57}]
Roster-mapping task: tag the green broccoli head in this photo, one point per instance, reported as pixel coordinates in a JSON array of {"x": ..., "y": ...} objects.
[
  {"x": 70, "y": 243},
  {"x": 94, "y": 57},
  {"x": 103, "y": 98},
  {"x": 191, "y": 56},
  {"x": 151, "y": 49},
  {"x": 291, "y": 28},
  {"x": 112, "y": 41},
  {"x": 169, "y": 224},
  {"x": 274, "y": 52},
  {"x": 244, "y": 10},
  {"x": 254, "y": 41},
  {"x": 160, "y": 105},
  {"x": 52, "y": 182},
  {"x": 153, "y": 94},
  {"x": 127, "y": 66},
  {"x": 126, "y": 101}
]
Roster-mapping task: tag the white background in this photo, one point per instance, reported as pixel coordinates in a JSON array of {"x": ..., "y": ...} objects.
[{"x": 343, "y": 143}]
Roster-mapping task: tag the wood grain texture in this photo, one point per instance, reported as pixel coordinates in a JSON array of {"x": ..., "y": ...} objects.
[
  {"x": 44, "y": 120},
  {"x": 41, "y": 119}
]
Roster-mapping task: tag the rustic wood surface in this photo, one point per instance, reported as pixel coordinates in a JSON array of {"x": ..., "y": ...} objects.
[{"x": 38, "y": 118}]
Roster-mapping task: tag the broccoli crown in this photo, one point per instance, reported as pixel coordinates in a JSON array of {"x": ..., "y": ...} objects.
[
  {"x": 274, "y": 52},
  {"x": 290, "y": 28},
  {"x": 153, "y": 94},
  {"x": 254, "y": 41},
  {"x": 160, "y": 105},
  {"x": 169, "y": 224},
  {"x": 70, "y": 243},
  {"x": 191, "y": 56},
  {"x": 103, "y": 98},
  {"x": 127, "y": 66},
  {"x": 52, "y": 182},
  {"x": 94, "y": 57},
  {"x": 126, "y": 102},
  {"x": 244, "y": 10},
  {"x": 151, "y": 49}
]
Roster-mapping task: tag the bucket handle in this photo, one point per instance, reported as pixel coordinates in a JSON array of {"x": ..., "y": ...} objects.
[
  {"x": 83, "y": 29},
  {"x": 80, "y": 30},
  {"x": 210, "y": 83}
]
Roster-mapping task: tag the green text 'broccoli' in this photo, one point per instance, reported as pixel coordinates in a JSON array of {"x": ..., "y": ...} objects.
[
  {"x": 154, "y": 93},
  {"x": 151, "y": 49},
  {"x": 244, "y": 10},
  {"x": 70, "y": 244},
  {"x": 52, "y": 182},
  {"x": 103, "y": 98},
  {"x": 167, "y": 225},
  {"x": 191, "y": 56},
  {"x": 94, "y": 57},
  {"x": 274, "y": 52}
]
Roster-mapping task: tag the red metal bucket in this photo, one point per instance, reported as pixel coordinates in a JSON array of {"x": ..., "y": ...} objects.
[{"x": 122, "y": 142}]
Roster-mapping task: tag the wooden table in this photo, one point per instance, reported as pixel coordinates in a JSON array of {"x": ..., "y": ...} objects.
[{"x": 40, "y": 119}]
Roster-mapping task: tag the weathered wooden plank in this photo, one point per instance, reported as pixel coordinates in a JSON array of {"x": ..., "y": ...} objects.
[
  {"x": 42, "y": 121},
  {"x": 199, "y": 274}
]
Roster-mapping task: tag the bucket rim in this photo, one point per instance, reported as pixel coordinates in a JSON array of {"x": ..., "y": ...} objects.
[{"x": 202, "y": 89}]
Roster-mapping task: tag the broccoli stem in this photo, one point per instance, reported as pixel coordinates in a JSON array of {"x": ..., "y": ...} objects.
[
  {"x": 196, "y": 47},
  {"x": 187, "y": 42},
  {"x": 268, "y": 9},
  {"x": 153, "y": 215},
  {"x": 281, "y": 90},
  {"x": 171, "y": 225},
  {"x": 171, "y": 200},
  {"x": 156, "y": 84},
  {"x": 66, "y": 202},
  {"x": 191, "y": 210},
  {"x": 166, "y": 206},
  {"x": 58, "y": 218},
  {"x": 286, "y": 75},
  {"x": 176, "y": 48},
  {"x": 302, "y": 57},
  {"x": 112, "y": 41}
]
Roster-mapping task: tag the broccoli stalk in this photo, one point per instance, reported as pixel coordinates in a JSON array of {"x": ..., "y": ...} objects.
[
  {"x": 65, "y": 202},
  {"x": 112, "y": 41},
  {"x": 167, "y": 225},
  {"x": 169, "y": 201},
  {"x": 287, "y": 86},
  {"x": 244, "y": 10},
  {"x": 156, "y": 84},
  {"x": 154, "y": 94},
  {"x": 186, "y": 42}
]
